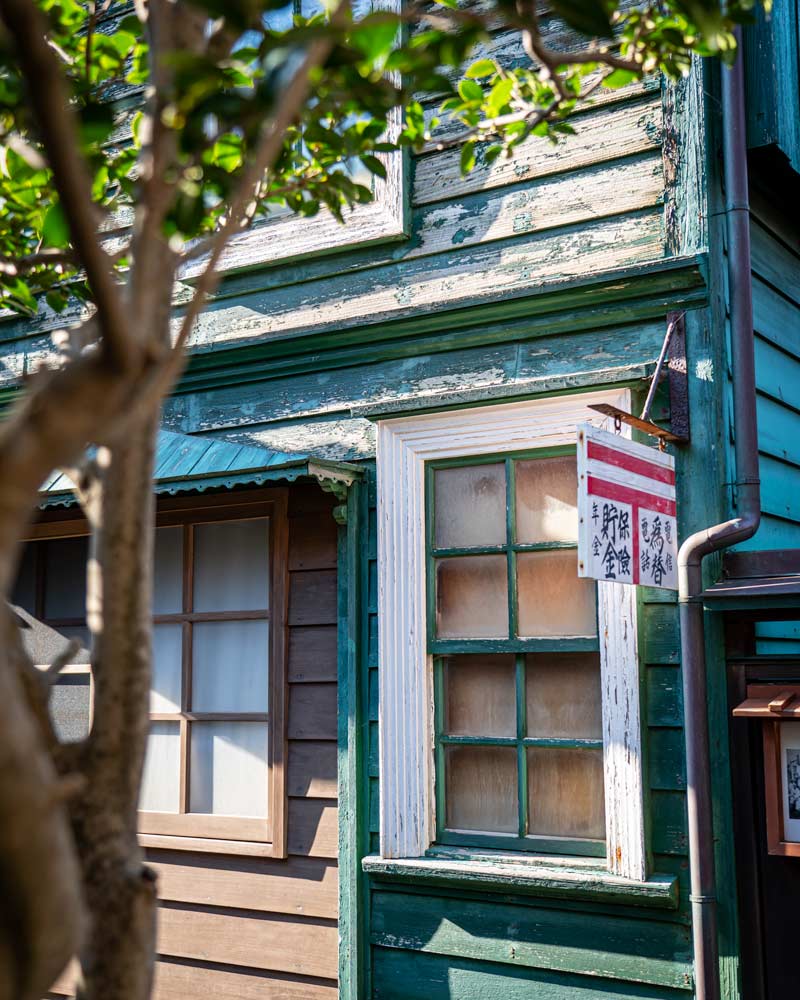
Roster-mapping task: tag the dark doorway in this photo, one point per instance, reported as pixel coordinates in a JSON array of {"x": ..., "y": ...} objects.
[{"x": 768, "y": 885}]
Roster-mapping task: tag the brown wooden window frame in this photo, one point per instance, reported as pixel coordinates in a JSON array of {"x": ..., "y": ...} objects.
[
  {"x": 771, "y": 704},
  {"x": 195, "y": 831}
]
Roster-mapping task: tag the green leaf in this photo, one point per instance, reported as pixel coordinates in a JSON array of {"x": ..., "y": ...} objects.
[
  {"x": 619, "y": 78},
  {"x": 481, "y": 68},
  {"x": 374, "y": 165},
  {"x": 55, "y": 231},
  {"x": 470, "y": 91},
  {"x": 57, "y": 299},
  {"x": 467, "y": 156}
]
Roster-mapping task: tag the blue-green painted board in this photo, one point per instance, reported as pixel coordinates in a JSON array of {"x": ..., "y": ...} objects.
[
  {"x": 777, "y": 370},
  {"x": 778, "y": 638},
  {"x": 509, "y": 366},
  {"x": 401, "y": 975},
  {"x": 666, "y": 766},
  {"x": 773, "y": 80},
  {"x": 523, "y": 934},
  {"x": 669, "y": 823},
  {"x": 663, "y": 696},
  {"x": 774, "y": 262}
]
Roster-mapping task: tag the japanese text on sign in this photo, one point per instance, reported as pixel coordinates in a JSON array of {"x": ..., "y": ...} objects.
[{"x": 626, "y": 507}]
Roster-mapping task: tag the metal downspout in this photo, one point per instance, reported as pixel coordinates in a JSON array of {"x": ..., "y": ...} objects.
[{"x": 748, "y": 504}]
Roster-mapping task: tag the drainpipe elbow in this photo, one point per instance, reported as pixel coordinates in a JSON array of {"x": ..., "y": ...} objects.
[{"x": 706, "y": 541}]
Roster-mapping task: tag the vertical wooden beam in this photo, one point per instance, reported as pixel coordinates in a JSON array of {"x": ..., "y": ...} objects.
[{"x": 351, "y": 708}]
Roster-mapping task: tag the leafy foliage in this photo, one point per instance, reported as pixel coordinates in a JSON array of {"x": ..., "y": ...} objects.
[{"x": 220, "y": 99}]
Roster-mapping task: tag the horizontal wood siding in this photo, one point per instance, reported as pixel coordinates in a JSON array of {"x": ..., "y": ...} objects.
[
  {"x": 243, "y": 927},
  {"x": 776, "y": 318}
]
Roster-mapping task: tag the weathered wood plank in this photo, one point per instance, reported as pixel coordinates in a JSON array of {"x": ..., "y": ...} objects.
[
  {"x": 599, "y": 191},
  {"x": 312, "y": 654},
  {"x": 312, "y": 542},
  {"x": 184, "y": 980},
  {"x": 664, "y": 697},
  {"x": 775, "y": 316},
  {"x": 408, "y": 975},
  {"x": 633, "y": 950},
  {"x": 780, "y": 488},
  {"x": 312, "y": 598},
  {"x": 668, "y": 822},
  {"x": 313, "y": 828},
  {"x": 778, "y": 430},
  {"x": 778, "y": 373},
  {"x": 309, "y": 498},
  {"x": 480, "y": 273},
  {"x": 661, "y": 641},
  {"x": 303, "y": 886},
  {"x": 312, "y": 769},
  {"x": 504, "y": 367},
  {"x": 774, "y": 262},
  {"x": 600, "y": 135},
  {"x": 665, "y": 759},
  {"x": 312, "y": 712},
  {"x": 296, "y": 945}
]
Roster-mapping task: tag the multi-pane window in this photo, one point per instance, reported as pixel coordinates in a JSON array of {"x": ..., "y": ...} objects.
[
  {"x": 216, "y": 646},
  {"x": 513, "y": 635},
  {"x": 215, "y": 761},
  {"x": 50, "y": 592}
]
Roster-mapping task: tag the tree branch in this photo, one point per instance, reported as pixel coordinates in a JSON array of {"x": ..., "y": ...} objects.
[{"x": 51, "y": 105}]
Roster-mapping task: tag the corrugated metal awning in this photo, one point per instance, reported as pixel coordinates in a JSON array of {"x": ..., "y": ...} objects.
[{"x": 187, "y": 463}]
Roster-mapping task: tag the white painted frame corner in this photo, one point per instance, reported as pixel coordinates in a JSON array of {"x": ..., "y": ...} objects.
[{"x": 406, "y": 734}]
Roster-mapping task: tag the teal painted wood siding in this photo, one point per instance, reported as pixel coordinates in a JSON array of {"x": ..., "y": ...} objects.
[{"x": 776, "y": 318}]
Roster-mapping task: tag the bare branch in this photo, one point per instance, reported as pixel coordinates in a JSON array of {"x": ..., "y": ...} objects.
[
  {"x": 288, "y": 107},
  {"x": 50, "y": 101}
]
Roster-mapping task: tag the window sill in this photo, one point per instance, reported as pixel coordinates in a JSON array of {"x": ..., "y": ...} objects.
[
  {"x": 163, "y": 842},
  {"x": 574, "y": 878}
]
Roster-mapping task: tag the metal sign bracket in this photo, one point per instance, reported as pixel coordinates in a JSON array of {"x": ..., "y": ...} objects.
[{"x": 673, "y": 356}]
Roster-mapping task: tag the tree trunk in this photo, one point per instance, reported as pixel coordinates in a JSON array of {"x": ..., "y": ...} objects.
[{"x": 117, "y": 961}]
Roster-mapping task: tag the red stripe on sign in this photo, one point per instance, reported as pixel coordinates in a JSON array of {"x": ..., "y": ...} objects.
[
  {"x": 624, "y": 494},
  {"x": 604, "y": 453}
]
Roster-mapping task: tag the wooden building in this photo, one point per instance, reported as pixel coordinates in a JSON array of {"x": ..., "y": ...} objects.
[{"x": 400, "y": 750}]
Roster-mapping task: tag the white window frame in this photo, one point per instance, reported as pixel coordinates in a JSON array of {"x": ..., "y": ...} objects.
[
  {"x": 406, "y": 733},
  {"x": 288, "y": 236}
]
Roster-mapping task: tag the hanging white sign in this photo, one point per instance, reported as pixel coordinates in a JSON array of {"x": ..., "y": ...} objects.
[{"x": 626, "y": 508}]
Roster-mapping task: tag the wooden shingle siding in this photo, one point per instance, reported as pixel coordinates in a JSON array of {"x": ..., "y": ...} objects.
[{"x": 228, "y": 923}]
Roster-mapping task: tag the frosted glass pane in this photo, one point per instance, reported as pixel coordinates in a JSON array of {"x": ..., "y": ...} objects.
[
  {"x": 547, "y": 500},
  {"x": 470, "y": 506},
  {"x": 229, "y": 666},
  {"x": 65, "y": 578},
  {"x": 472, "y": 597},
  {"x": 481, "y": 791},
  {"x": 565, "y": 793},
  {"x": 480, "y": 696},
  {"x": 552, "y": 599},
  {"x": 24, "y": 592},
  {"x": 161, "y": 782},
  {"x": 165, "y": 694},
  {"x": 231, "y": 566},
  {"x": 229, "y": 768},
  {"x": 563, "y": 695},
  {"x": 168, "y": 572}
]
